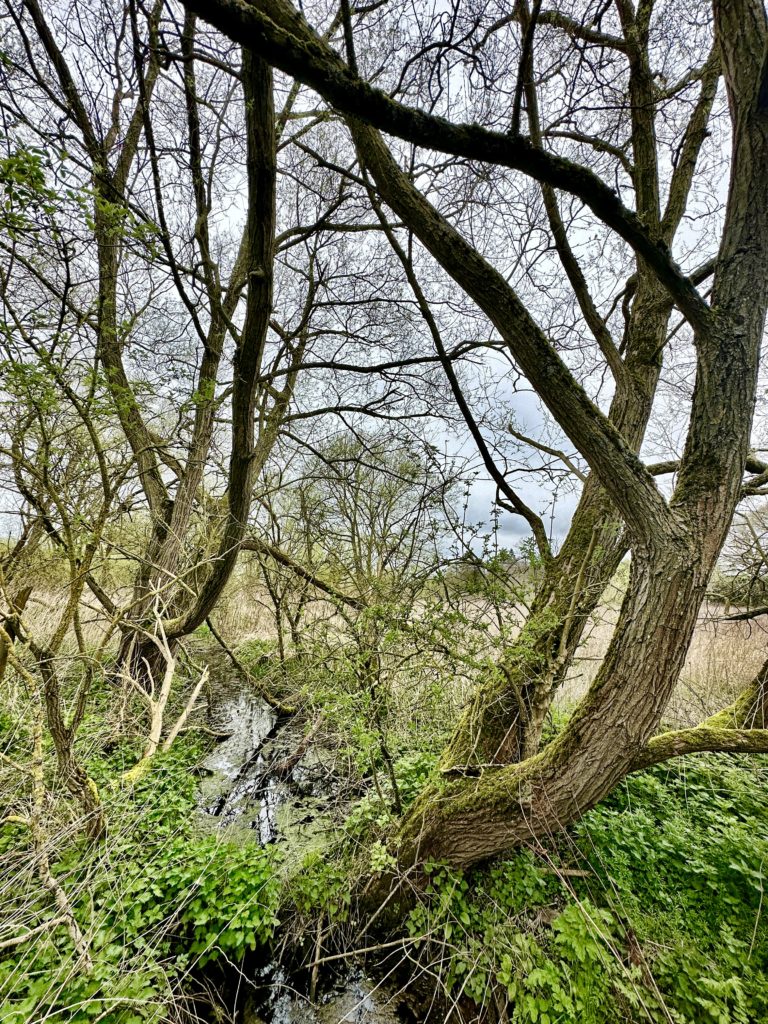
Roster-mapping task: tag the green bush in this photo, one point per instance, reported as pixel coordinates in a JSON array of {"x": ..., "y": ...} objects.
[
  {"x": 159, "y": 897},
  {"x": 650, "y": 909}
]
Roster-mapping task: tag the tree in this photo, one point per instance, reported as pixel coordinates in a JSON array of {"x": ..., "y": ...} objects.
[
  {"x": 362, "y": 514},
  {"x": 156, "y": 254},
  {"x": 519, "y": 790},
  {"x": 108, "y": 163}
]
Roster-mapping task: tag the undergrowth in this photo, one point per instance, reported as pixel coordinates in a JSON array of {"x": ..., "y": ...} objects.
[
  {"x": 650, "y": 909},
  {"x": 160, "y": 897}
]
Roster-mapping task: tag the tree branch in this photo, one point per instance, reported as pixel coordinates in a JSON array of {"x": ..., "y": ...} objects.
[
  {"x": 274, "y": 29},
  {"x": 692, "y": 741},
  {"x": 595, "y": 437},
  {"x": 263, "y": 548}
]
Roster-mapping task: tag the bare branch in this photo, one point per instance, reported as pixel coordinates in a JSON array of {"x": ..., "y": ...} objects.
[{"x": 281, "y": 35}]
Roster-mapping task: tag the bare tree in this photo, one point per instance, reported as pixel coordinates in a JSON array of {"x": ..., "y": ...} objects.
[{"x": 674, "y": 541}]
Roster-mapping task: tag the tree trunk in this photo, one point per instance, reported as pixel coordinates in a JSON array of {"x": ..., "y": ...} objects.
[
  {"x": 465, "y": 821},
  {"x": 504, "y": 719},
  {"x": 71, "y": 771},
  {"x": 468, "y": 820}
]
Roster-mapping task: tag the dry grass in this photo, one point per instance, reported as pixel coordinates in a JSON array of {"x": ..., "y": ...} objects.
[{"x": 723, "y": 657}]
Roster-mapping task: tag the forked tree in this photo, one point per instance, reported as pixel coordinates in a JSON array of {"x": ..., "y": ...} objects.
[
  {"x": 133, "y": 244},
  {"x": 500, "y": 786}
]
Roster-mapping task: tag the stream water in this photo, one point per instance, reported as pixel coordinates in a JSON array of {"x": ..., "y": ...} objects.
[
  {"x": 355, "y": 999},
  {"x": 240, "y": 789},
  {"x": 253, "y": 784}
]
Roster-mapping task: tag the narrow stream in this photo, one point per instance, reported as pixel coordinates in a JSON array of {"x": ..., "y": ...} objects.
[
  {"x": 253, "y": 784},
  {"x": 357, "y": 999},
  {"x": 246, "y": 792}
]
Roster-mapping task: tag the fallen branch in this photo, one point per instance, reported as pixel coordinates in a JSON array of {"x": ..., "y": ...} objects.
[
  {"x": 189, "y": 707},
  {"x": 32, "y": 932},
  {"x": 263, "y": 692},
  {"x": 283, "y": 768},
  {"x": 157, "y": 706}
]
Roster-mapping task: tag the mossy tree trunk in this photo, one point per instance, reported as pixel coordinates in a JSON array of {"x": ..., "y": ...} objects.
[
  {"x": 612, "y": 731},
  {"x": 675, "y": 543},
  {"x": 505, "y": 718}
]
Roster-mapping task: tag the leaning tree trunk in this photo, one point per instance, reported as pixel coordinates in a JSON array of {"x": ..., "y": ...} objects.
[
  {"x": 467, "y": 820},
  {"x": 472, "y": 819},
  {"x": 505, "y": 717}
]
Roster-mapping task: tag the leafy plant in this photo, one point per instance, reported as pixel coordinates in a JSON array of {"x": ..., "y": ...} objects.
[{"x": 661, "y": 920}]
